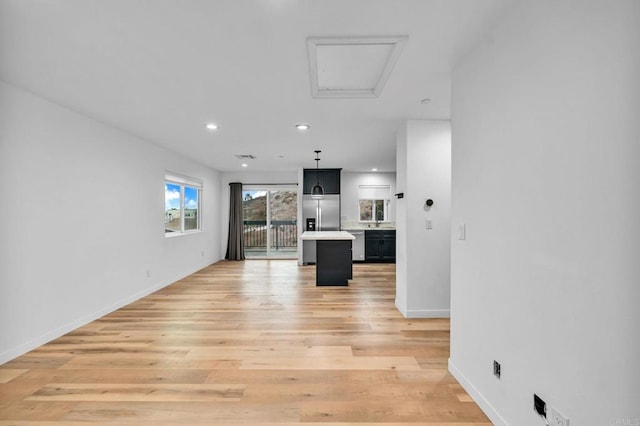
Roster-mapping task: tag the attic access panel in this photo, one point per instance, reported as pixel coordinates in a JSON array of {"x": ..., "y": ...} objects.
[{"x": 351, "y": 67}]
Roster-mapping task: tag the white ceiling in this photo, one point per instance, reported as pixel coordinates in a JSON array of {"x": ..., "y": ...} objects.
[{"x": 162, "y": 69}]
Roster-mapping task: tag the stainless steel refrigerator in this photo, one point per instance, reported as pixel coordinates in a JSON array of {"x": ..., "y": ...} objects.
[{"x": 325, "y": 213}]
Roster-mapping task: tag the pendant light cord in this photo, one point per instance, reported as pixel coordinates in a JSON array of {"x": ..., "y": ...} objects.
[{"x": 317, "y": 191}]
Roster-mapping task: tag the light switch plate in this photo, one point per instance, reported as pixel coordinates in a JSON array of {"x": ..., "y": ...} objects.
[
  {"x": 555, "y": 418},
  {"x": 462, "y": 231}
]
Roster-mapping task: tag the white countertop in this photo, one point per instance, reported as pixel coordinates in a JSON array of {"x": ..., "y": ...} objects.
[
  {"x": 369, "y": 228},
  {"x": 359, "y": 226},
  {"x": 326, "y": 235}
]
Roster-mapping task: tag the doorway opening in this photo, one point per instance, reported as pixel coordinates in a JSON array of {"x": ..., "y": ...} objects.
[{"x": 270, "y": 228}]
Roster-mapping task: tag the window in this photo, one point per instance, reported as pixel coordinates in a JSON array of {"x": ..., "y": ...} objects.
[
  {"x": 373, "y": 201},
  {"x": 182, "y": 205},
  {"x": 373, "y": 210},
  {"x": 269, "y": 219}
]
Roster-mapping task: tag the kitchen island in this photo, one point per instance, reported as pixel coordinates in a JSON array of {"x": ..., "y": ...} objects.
[{"x": 333, "y": 256}]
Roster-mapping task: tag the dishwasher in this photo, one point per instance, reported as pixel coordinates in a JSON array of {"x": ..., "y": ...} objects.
[{"x": 357, "y": 247}]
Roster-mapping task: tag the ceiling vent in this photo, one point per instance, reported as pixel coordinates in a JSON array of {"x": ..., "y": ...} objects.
[
  {"x": 245, "y": 157},
  {"x": 351, "y": 67}
]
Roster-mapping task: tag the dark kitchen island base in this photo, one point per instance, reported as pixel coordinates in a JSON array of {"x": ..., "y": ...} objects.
[
  {"x": 333, "y": 262},
  {"x": 333, "y": 256}
]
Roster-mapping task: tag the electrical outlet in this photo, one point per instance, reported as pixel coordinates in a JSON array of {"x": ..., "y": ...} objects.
[
  {"x": 496, "y": 369},
  {"x": 428, "y": 224},
  {"x": 555, "y": 418}
]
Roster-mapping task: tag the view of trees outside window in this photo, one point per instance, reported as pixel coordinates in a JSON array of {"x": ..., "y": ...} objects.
[
  {"x": 273, "y": 229},
  {"x": 371, "y": 210}
]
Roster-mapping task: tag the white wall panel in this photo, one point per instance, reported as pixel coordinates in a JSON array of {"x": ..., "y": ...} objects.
[{"x": 83, "y": 220}]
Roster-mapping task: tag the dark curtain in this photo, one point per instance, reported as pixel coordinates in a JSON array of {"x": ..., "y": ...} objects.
[{"x": 235, "y": 242}]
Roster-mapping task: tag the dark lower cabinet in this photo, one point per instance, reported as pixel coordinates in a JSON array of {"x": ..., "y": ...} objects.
[{"x": 380, "y": 245}]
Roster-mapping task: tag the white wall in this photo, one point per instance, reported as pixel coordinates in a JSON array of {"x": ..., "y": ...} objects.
[
  {"x": 349, "y": 183},
  {"x": 422, "y": 255},
  {"x": 83, "y": 220},
  {"x": 546, "y": 167},
  {"x": 401, "y": 220}
]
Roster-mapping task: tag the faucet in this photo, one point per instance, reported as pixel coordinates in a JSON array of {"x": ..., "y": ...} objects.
[{"x": 377, "y": 223}]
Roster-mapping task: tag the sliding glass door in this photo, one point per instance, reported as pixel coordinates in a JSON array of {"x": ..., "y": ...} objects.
[{"x": 270, "y": 221}]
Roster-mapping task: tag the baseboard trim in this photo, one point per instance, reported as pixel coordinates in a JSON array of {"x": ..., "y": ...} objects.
[
  {"x": 423, "y": 313},
  {"x": 32, "y": 344},
  {"x": 428, "y": 313},
  {"x": 479, "y": 399}
]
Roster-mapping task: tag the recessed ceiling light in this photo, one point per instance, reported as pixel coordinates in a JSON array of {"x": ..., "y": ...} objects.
[
  {"x": 374, "y": 170},
  {"x": 244, "y": 165},
  {"x": 212, "y": 126},
  {"x": 302, "y": 126},
  {"x": 425, "y": 101}
]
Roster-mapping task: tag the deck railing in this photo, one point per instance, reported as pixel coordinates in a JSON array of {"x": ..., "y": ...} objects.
[{"x": 284, "y": 234}]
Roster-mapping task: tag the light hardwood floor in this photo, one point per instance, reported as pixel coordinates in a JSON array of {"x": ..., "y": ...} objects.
[{"x": 252, "y": 342}]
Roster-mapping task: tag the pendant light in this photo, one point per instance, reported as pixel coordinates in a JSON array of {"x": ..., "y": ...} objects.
[{"x": 317, "y": 191}]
